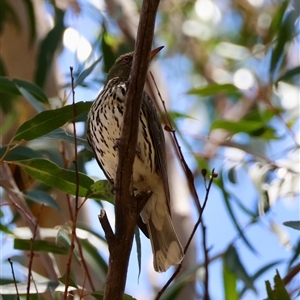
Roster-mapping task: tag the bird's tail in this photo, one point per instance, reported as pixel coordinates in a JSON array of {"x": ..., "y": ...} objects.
[{"x": 166, "y": 248}]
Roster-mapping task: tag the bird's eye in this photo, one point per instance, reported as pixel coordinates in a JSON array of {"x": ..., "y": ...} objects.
[{"x": 126, "y": 59}]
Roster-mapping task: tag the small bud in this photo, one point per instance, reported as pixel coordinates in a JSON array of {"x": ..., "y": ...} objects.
[
  {"x": 214, "y": 175},
  {"x": 168, "y": 128},
  {"x": 203, "y": 172}
]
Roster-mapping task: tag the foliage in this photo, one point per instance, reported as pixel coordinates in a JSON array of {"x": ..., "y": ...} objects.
[{"x": 237, "y": 106}]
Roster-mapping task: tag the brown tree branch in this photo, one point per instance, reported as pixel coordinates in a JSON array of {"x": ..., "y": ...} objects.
[{"x": 126, "y": 206}]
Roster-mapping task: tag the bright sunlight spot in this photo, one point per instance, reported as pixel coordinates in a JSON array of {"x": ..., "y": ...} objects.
[
  {"x": 289, "y": 95},
  {"x": 243, "y": 79},
  {"x": 207, "y": 11},
  {"x": 256, "y": 3},
  {"x": 196, "y": 29},
  {"x": 77, "y": 43},
  {"x": 232, "y": 51}
]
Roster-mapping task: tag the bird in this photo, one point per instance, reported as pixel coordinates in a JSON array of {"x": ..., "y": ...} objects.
[{"x": 104, "y": 128}]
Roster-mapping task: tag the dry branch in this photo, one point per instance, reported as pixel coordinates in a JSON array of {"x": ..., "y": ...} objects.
[{"x": 127, "y": 207}]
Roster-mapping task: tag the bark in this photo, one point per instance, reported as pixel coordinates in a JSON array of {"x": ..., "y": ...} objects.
[{"x": 180, "y": 202}]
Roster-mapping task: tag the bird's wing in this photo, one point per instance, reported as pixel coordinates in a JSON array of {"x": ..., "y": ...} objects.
[{"x": 157, "y": 135}]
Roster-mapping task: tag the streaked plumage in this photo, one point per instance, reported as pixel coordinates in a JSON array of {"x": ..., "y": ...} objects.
[{"x": 105, "y": 121}]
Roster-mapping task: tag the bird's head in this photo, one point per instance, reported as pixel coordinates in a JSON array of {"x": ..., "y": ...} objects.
[{"x": 122, "y": 66}]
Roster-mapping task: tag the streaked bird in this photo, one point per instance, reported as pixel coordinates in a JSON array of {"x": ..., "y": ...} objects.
[{"x": 105, "y": 121}]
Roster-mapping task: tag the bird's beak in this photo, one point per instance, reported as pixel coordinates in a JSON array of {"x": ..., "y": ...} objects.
[{"x": 154, "y": 52}]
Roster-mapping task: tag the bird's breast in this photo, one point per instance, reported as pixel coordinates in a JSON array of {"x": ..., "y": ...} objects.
[{"x": 105, "y": 125}]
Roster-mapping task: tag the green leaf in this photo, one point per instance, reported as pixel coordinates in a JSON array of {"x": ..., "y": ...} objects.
[
  {"x": 286, "y": 32},
  {"x": 232, "y": 175},
  {"x": 37, "y": 288},
  {"x": 279, "y": 291},
  {"x": 94, "y": 258},
  {"x": 39, "y": 245},
  {"x": 19, "y": 153},
  {"x": 178, "y": 115},
  {"x": 258, "y": 273},
  {"x": 220, "y": 184},
  {"x": 31, "y": 99},
  {"x": 8, "y": 87},
  {"x": 230, "y": 283},
  {"x": 92, "y": 232},
  {"x": 296, "y": 254},
  {"x": 79, "y": 80},
  {"x": 277, "y": 19},
  {"x": 5, "y": 229},
  {"x": 47, "y": 172},
  {"x": 174, "y": 290},
  {"x": 63, "y": 239},
  {"x": 15, "y": 87},
  {"x": 214, "y": 89},
  {"x": 234, "y": 264},
  {"x": 72, "y": 280},
  {"x": 48, "y": 47},
  {"x": 62, "y": 135},
  {"x": 101, "y": 190},
  {"x": 41, "y": 197},
  {"x": 238, "y": 126},
  {"x": 293, "y": 224},
  {"x": 107, "y": 43},
  {"x": 269, "y": 291},
  {"x": 49, "y": 120},
  {"x": 253, "y": 128},
  {"x": 32, "y": 89},
  {"x": 289, "y": 74}
]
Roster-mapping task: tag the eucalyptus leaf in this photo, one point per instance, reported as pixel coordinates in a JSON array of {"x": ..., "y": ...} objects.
[
  {"x": 39, "y": 245},
  {"x": 71, "y": 282},
  {"x": 289, "y": 74},
  {"x": 219, "y": 182},
  {"x": 19, "y": 153},
  {"x": 214, "y": 89},
  {"x": 48, "y": 48},
  {"x": 292, "y": 224},
  {"x": 32, "y": 88},
  {"x": 230, "y": 283},
  {"x": 94, "y": 257},
  {"x": 234, "y": 264},
  {"x": 62, "y": 135},
  {"x": 79, "y": 80},
  {"x": 279, "y": 291},
  {"x": 48, "y": 173},
  {"x": 101, "y": 190},
  {"x": 49, "y": 120},
  {"x": 42, "y": 197}
]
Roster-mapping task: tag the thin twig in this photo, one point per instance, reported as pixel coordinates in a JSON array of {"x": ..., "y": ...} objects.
[
  {"x": 29, "y": 276},
  {"x": 84, "y": 264},
  {"x": 109, "y": 234},
  {"x": 75, "y": 139},
  {"x": 14, "y": 278},
  {"x": 186, "y": 169},
  {"x": 73, "y": 236},
  {"x": 206, "y": 262}
]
